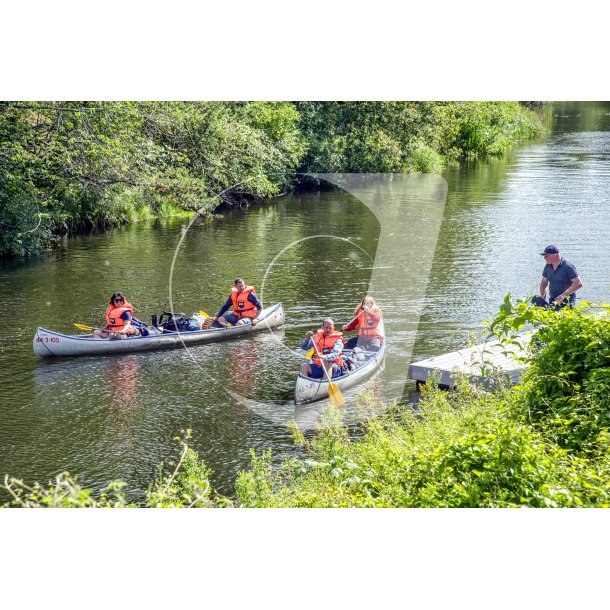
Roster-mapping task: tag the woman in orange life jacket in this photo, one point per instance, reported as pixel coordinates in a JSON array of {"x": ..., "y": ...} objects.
[
  {"x": 119, "y": 315},
  {"x": 329, "y": 344},
  {"x": 368, "y": 316},
  {"x": 246, "y": 306}
]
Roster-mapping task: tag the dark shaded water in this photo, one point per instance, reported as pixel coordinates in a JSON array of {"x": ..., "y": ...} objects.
[{"x": 116, "y": 417}]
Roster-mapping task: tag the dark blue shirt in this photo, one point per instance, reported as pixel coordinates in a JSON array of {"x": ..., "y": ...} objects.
[{"x": 560, "y": 279}]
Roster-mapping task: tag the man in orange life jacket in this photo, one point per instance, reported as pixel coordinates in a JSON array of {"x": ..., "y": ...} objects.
[
  {"x": 329, "y": 344},
  {"x": 246, "y": 306}
]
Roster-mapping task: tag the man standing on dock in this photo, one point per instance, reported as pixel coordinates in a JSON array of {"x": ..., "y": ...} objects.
[{"x": 561, "y": 277}]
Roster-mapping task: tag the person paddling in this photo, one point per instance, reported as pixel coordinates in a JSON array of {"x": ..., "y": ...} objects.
[
  {"x": 329, "y": 344},
  {"x": 367, "y": 320},
  {"x": 561, "y": 278},
  {"x": 246, "y": 306},
  {"x": 119, "y": 317}
]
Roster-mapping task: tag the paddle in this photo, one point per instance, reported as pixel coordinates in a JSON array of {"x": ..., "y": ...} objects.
[
  {"x": 334, "y": 393},
  {"x": 84, "y": 327},
  {"x": 209, "y": 317}
]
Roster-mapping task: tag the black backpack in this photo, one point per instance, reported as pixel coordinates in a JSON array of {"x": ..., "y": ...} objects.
[
  {"x": 141, "y": 326},
  {"x": 172, "y": 322}
]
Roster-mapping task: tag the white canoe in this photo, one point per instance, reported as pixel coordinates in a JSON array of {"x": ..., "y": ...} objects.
[
  {"x": 49, "y": 344},
  {"x": 309, "y": 390}
]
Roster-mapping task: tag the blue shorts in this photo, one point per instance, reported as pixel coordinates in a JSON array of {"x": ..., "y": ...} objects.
[
  {"x": 317, "y": 371},
  {"x": 231, "y": 318}
]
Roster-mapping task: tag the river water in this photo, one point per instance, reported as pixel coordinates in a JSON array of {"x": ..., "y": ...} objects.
[{"x": 116, "y": 417}]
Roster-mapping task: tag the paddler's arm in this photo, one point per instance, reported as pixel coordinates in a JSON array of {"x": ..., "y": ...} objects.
[
  {"x": 259, "y": 307},
  {"x": 307, "y": 343},
  {"x": 223, "y": 309},
  {"x": 336, "y": 352},
  {"x": 126, "y": 317},
  {"x": 544, "y": 282}
]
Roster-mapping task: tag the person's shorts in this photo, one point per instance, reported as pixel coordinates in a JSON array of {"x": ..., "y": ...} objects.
[
  {"x": 231, "y": 318},
  {"x": 317, "y": 371}
]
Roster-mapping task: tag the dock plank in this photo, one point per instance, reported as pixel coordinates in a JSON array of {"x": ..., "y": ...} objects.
[{"x": 482, "y": 364}]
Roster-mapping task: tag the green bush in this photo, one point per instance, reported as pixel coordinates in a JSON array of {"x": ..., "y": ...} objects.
[
  {"x": 565, "y": 392},
  {"x": 567, "y": 387},
  {"x": 408, "y": 136}
]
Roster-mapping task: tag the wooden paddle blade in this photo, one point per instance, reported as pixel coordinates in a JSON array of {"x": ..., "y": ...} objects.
[
  {"x": 82, "y": 326},
  {"x": 334, "y": 393}
]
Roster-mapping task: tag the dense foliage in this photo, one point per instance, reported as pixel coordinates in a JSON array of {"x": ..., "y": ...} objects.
[
  {"x": 408, "y": 136},
  {"x": 566, "y": 391},
  {"x": 71, "y": 165},
  {"x": 66, "y": 166},
  {"x": 541, "y": 444}
]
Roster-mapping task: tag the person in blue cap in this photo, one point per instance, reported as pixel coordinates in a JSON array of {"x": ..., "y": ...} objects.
[{"x": 560, "y": 277}]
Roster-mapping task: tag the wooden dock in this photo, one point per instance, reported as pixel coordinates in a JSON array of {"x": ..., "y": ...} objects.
[{"x": 485, "y": 364}]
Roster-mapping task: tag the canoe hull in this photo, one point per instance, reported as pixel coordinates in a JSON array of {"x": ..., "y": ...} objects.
[
  {"x": 309, "y": 390},
  {"x": 49, "y": 344}
]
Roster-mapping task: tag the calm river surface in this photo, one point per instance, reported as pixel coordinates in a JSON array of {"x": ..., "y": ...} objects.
[{"x": 116, "y": 417}]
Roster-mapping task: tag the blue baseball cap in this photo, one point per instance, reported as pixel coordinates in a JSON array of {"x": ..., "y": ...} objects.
[{"x": 550, "y": 250}]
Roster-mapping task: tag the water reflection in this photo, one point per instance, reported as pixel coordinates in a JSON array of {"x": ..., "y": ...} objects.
[
  {"x": 121, "y": 378},
  {"x": 244, "y": 363}
]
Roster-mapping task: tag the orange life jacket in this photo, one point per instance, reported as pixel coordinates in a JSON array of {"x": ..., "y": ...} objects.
[
  {"x": 367, "y": 326},
  {"x": 242, "y": 308},
  {"x": 114, "y": 320},
  {"x": 325, "y": 345}
]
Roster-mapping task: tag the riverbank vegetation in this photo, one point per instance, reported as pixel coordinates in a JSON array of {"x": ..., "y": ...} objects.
[
  {"x": 73, "y": 166},
  {"x": 545, "y": 443}
]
